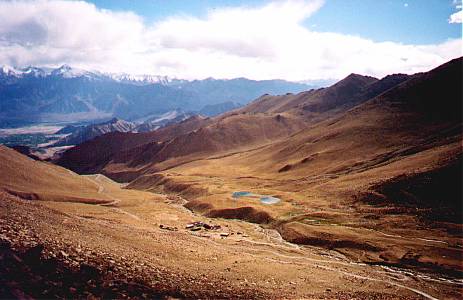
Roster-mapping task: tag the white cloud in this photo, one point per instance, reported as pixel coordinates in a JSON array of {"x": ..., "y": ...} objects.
[
  {"x": 457, "y": 3},
  {"x": 457, "y": 17},
  {"x": 256, "y": 42}
]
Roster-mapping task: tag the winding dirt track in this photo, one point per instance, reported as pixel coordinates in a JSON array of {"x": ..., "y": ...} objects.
[
  {"x": 130, "y": 221},
  {"x": 279, "y": 248},
  {"x": 101, "y": 190},
  {"x": 319, "y": 263}
]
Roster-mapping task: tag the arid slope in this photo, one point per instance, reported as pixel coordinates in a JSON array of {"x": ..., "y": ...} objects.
[
  {"x": 34, "y": 180},
  {"x": 138, "y": 245},
  {"x": 386, "y": 168},
  {"x": 368, "y": 168},
  {"x": 125, "y": 157}
]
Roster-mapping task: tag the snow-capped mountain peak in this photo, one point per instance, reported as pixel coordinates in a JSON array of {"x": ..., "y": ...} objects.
[
  {"x": 140, "y": 78},
  {"x": 23, "y": 72},
  {"x": 8, "y": 70},
  {"x": 35, "y": 71},
  {"x": 67, "y": 71}
]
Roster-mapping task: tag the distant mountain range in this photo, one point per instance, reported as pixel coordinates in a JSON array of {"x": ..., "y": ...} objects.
[
  {"x": 84, "y": 133},
  {"x": 371, "y": 153},
  {"x": 79, "y": 134},
  {"x": 65, "y": 94},
  {"x": 365, "y": 168}
]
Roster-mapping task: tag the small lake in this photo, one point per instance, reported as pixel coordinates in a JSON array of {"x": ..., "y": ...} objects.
[
  {"x": 263, "y": 198},
  {"x": 269, "y": 200},
  {"x": 237, "y": 195}
]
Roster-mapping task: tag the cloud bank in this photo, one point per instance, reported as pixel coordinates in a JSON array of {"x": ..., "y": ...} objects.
[
  {"x": 255, "y": 42},
  {"x": 456, "y": 18}
]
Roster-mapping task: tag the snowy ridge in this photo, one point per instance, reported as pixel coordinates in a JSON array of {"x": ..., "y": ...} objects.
[
  {"x": 66, "y": 71},
  {"x": 141, "y": 78}
]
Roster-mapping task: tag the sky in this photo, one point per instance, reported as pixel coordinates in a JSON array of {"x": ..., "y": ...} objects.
[{"x": 287, "y": 39}]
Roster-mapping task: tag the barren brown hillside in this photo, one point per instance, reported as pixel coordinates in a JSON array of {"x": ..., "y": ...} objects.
[
  {"x": 90, "y": 157},
  {"x": 125, "y": 156},
  {"x": 123, "y": 162},
  {"x": 266, "y": 149},
  {"x": 367, "y": 169},
  {"x": 348, "y": 92},
  {"x": 24, "y": 177},
  {"x": 386, "y": 160},
  {"x": 144, "y": 245}
]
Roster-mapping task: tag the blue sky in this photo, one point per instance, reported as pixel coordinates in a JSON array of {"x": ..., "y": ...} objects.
[
  {"x": 412, "y": 21},
  {"x": 286, "y": 39}
]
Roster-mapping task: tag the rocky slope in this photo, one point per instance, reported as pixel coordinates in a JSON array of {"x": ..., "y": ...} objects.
[
  {"x": 266, "y": 120},
  {"x": 356, "y": 166},
  {"x": 85, "y": 133},
  {"x": 145, "y": 245}
]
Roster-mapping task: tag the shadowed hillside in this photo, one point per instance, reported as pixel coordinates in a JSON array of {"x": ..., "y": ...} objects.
[
  {"x": 388, "y": 164},
  {"x": 346, "y": 93},
  {"x": 92, "y": 156},
  {"x": 363, "y": 153},
  {"x": 33, "y": 180},
  {"x": 254, "y": 125},
  {"x": 361, "y": 180},
  {"x": 145, "y": 245}
]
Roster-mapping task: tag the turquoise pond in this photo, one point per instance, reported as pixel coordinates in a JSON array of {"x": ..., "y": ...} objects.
[
  {"x": 237, "y": 195},
  {"x": 263, "y": 199},
  {"x": 269, "y": 200}
]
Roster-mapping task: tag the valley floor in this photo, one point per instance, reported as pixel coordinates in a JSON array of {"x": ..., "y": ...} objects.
[{"x": 137, "y": 245}]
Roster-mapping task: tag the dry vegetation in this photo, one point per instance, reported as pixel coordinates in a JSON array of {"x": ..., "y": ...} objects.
[
  {"x": 138, "y": 246},
  {"x": 368, "y": 172}
]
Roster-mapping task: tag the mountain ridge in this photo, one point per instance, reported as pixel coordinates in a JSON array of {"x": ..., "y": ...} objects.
[
  {"x": 388, "y": 164},
  {"x": 367, "y": 170},
  {"x": 33, "y": 95},
  {"x": 224, "y": 132}
]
